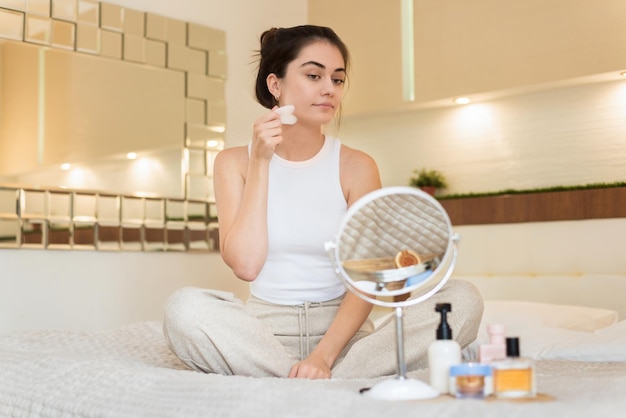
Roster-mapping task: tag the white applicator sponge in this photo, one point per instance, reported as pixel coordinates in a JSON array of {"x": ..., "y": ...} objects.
[{"x": 286, "y": 114}]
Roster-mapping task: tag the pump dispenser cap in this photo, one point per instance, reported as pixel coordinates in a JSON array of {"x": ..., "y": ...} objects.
[
  {"x": 444, "y": 332},
  {"x": 512, "y": 347}
]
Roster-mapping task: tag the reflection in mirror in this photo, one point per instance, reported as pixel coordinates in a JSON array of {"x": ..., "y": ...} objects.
[
  {"x": 155, "y": 224},
  {"x": 34, "y": 204},
  {"x": 155, "y": 238},
  {"x": 143, "y": 110},
  {"x": 83, "y": 236},
  {"x": 197, "y": 162},
  {"x": 198, "y": 238},
  {"x": 155, "y": 212},
  {"x": 63, "y": 129},
  {"x": 9, "y": 222},
  {"x": 174, "y": 211},
  {"x": 60, "y": 218},
  {"x": 391, "y": 245},
  {"x": 175, "y": 237},
  {"x": 34, "y": 233},
  {"x": 60, "y": 205},
  {"x": 8, "y": 202},
  {"x": 84, "y": 209},
  {"x": 108, "y": 209},
  {"x": 12, "y": 21},
  {"x": 108, "y": 237},
  {"x": 9, "y": 229},
  {"x": 131, "y": 237},
  {"x": 132, "y": 210},
  {"x": 132, "y": 217},
  {"x": 197, "y": 213},
  {"x": 59, "y": 234}
]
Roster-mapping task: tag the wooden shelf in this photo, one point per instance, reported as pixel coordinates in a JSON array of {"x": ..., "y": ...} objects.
[{"x": 597, "y": 203}]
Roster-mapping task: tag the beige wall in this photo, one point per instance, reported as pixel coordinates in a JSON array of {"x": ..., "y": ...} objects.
[
  {"x": 371, "y": 30},
  {"x": 565, "y": 136},
  {"x": 468, "y": 47},
  {"x": 568, "y": 262},
  {"x": 549, "y": 103},
  {"x": 471, "y": 47},
  {"x": 87, "y": 290},
  {"x": 78, "y": 121}
]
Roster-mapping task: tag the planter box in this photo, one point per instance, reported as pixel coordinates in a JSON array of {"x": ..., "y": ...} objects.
[{"x": 607, "y": 202}]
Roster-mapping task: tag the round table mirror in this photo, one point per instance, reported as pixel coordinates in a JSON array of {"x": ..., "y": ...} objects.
[{"x": 395, "y": 248}]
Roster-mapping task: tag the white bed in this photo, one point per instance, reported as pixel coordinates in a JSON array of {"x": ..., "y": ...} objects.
[
  {"x": 578, "y": 342},
  {"x": 129, "y": 372}
]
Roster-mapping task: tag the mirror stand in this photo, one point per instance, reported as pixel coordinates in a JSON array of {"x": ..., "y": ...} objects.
[{"x": 401, "y": 388}]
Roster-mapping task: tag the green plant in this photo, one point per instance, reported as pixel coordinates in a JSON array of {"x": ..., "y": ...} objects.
[
  {"x": 536, "y": 190},
  {"x": 428, "y": 178}
]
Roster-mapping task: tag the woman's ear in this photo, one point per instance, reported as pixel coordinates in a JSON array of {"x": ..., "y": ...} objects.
[{"x": 273, "y": 85}]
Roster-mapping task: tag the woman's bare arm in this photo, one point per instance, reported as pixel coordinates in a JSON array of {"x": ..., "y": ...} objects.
[{"x": 240, "y": 184}]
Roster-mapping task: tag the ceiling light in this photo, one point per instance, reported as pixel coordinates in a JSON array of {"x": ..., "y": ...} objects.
[
  {"x": 462, "y": 100},
  {"x": 131, "y": 155},
  {"x": 217, "y": 128},
  {"x": 66, "y": 166},
  {"x": 623, "y": 74}
]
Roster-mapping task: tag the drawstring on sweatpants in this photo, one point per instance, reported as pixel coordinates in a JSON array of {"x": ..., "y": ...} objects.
[{"x": 303, "y": 324}]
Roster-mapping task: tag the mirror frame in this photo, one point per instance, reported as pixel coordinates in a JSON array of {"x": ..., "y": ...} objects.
[
  {"x": 424, "y": 290},
  {"x": 58, "y": 217}
]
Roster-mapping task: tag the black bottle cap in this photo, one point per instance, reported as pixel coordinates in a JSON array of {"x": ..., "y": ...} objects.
[
  {"x": 512, "y": 347},
  {"x": 444, "y": 332}
]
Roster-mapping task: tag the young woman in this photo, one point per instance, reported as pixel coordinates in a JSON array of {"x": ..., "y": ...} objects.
[{"x": 279, "y": 199}]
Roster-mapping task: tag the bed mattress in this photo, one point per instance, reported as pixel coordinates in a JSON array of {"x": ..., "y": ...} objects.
[{"x": 130, "y": 372}]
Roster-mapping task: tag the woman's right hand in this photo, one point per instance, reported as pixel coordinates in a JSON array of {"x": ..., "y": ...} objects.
[{"x": 267, "y": 135}]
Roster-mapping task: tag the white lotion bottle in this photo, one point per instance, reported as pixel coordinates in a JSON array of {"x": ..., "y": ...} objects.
[{"x": 443, "y": 353}]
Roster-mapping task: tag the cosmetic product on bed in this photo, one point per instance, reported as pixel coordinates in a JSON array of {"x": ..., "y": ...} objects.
[
  {"x": 496, "y": 348},
  {"x": 470, "y": 380},
  {"x": 513, "y": 377},
  {"x": 443, "y": 353}
]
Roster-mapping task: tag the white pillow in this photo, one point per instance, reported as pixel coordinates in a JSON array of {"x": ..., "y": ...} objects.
[
  {"x": 533, "y": 321},
  {"x": 514, "y": 314},
  {"x": 604, "y": 345}
]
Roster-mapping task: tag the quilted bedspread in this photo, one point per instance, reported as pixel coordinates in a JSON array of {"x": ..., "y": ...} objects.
[{"x": 129, "y": 372}]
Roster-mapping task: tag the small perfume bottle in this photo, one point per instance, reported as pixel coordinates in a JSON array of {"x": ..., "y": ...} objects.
[
  {"x": 513, "y": 377},
  {"x": 496, "y": 348}
]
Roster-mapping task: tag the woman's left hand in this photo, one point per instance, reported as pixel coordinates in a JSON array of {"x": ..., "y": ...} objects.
[{"x": 312, "y": 367}]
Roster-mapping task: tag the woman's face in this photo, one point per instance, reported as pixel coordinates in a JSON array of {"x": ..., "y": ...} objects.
[{"x": 314, "y": 83}]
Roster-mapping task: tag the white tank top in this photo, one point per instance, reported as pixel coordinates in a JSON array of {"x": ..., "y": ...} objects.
[{"x": 305, "y": 207}]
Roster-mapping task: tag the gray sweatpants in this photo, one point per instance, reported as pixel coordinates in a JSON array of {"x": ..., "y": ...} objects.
[{"x": 214, "y": 332}]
